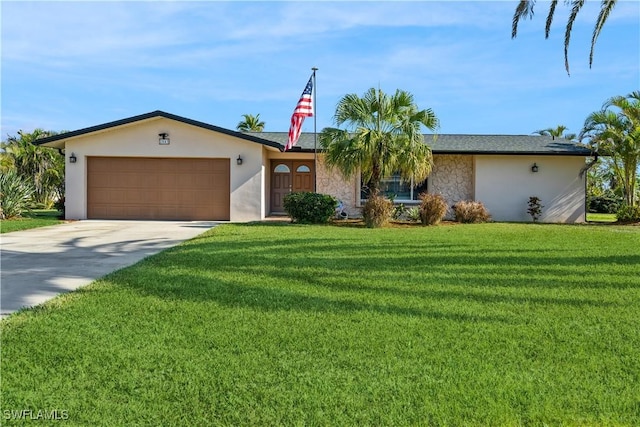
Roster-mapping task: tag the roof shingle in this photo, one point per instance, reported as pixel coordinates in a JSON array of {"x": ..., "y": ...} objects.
[
  {"x": 468, "y": 144},
  {"x": 444, "y": 144}
]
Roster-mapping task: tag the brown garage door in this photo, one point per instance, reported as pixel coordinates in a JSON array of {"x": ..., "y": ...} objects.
[{"x": 161, "y": 189}]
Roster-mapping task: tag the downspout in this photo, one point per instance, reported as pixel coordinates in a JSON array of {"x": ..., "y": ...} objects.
[{"x": 583, "y": 173}]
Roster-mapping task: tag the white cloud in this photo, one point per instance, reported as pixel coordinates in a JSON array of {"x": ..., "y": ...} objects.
[{"x": 181, "y": 54}]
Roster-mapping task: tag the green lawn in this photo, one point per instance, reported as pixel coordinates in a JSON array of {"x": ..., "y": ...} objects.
[
  {"x": 599, "y": 217},
  {"x": 34, "y": 219},
  {"x": 277, "y": 324}
]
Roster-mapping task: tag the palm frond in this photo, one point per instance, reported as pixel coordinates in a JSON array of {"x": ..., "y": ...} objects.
[
  {"x": 524, "y": 10},
  {"x": 552, "y": 11},
  {"x": 576, "y": 5},
  {"x": 605, "y": 9}
]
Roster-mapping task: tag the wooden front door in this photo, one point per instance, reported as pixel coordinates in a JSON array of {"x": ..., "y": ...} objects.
[{"x": 289, "y": 176}]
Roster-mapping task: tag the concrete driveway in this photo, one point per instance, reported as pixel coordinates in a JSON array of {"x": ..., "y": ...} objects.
[{"x": 38, "y": 264}]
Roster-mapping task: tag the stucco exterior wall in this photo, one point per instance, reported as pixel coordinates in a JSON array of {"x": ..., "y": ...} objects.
[
  {"x": 141, "y": 140},
  {"x": 505, "y": 183},
  {"x": 452, "y": 176}
]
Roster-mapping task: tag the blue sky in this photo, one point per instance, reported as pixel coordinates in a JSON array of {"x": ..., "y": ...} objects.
[{"x": 69, "y": 65}]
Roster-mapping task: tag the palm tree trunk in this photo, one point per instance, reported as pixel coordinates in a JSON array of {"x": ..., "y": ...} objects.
[{"x": 374, "y": 183}]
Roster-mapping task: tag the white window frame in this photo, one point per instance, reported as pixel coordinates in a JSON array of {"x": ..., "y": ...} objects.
[{"x": 362, "y": 201}]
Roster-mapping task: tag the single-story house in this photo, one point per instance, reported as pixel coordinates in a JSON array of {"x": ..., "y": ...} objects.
[{"x": 166, "y": 167}]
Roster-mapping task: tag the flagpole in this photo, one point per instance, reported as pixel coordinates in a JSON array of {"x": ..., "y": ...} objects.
[{"x": 315, "y": 133}]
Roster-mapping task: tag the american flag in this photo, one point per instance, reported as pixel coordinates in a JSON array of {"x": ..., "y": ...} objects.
[{"x": 303, "y": 109}]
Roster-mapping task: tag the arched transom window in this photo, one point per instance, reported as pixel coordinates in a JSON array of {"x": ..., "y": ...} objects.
[{"x": 281, "y": 168}]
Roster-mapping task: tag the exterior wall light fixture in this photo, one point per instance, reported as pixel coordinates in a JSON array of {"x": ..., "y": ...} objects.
[
  {"x": 163, "y": 138},
  {"x": 239, "y": 160},
  {"x": 73, "y": 158},
  {"x": 534, "y": 168}
]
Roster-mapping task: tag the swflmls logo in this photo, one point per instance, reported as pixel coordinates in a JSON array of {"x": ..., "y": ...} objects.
[{"x": 28, "y": 414}]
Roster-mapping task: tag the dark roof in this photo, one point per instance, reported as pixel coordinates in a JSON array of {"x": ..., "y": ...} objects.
[
  {"x": 254, "y": 137},
  {"x": 444, "y": 144},
  {"x": 468, "y": 144}
]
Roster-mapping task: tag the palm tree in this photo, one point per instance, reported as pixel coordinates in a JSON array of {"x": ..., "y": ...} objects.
[
  {"x": 41, "y": 166},
  {"x": 250, "y": 123},
  {"x": 557, "y": 132},
  {"x": 382, "y": 137},
  {"x": 525, "y": 9},
  {"x": 615, "y": 131}
]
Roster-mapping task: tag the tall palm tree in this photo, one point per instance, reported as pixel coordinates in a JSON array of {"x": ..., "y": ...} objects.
[
  {"x": 525, "y": 9},
  {"x": 382, "y": 137},
  {"x": 557, "y": 132},
  {"x": 250, "y": 123},
  {"x": 615, "y": 131}
]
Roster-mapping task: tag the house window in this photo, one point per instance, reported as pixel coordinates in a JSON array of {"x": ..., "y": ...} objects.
[
  {"x": 396, "y": 189},
  {"x": 303, "y": 168},
  {"x": 281, "y": 168}
]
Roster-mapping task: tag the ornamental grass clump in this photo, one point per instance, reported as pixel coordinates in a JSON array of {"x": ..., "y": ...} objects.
[
  {"x": 470, "y": 212},
  {"x": 15, "y": 195},
  {"x": 377, "y": 211},
  {"x": 433, "y": 207},
  {"x": 310, "y": 208}
]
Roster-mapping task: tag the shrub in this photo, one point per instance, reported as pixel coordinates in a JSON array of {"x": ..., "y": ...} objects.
[
  {"x": 399, "y": 211},
  {"x": 471, "y": 212},
  {"x": 59, "y": 205},
  {"x": 535, "y": 208},
  {"x": 15, "y": 195},
  {"x": 413, "y": 214},
  {"x": 603, "y": 204},
  {"x": 310, "y": 208},
  {"x": 628, "y": 213},
  {"x": 377, "y": 211},
  {"x": 433, "y": 207}
]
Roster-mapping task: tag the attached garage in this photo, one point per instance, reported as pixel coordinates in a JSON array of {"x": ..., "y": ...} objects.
[{"x": 158, "y": 188}]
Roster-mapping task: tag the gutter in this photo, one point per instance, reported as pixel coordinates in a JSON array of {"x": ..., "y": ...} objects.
[{"x": 588, "y": 166}]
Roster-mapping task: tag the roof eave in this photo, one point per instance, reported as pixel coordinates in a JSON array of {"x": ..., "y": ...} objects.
[
  {"x": 154, "y": 114},
  {"x": 517, "y": 153}
]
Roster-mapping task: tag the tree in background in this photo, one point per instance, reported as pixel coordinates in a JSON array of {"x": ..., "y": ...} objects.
[
  {"x": 557, "y": 132},
  {"x": 383, "y": 136},
  {"x": 525, "y": 9},
  {"x": 42, "y": 167},
  {"x": 250, "y": 123},
  {"x": 615, "y": 131},
  {"x": 604, "y": 193}
]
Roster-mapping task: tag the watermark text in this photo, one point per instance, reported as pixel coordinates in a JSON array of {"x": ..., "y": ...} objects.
[{"x": 36, "y": 415}]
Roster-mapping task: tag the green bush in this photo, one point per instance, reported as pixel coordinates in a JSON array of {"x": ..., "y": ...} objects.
[
  {"x": 628, "y": 213},
  {"x": 608, "y": 203},
  {"x": 433, "y": 207},
  {"x": 534, "y": 208},
  {"x": 413, "y": 214},
  {"x": 377, "y": 211},
  {"x": 399, "y": 211},
  {"x": 310, "y": 208},
  {"x": 471, "y": 212},
  {"x": 60, "y": 206},
  {"x": 15, "y": 195}
]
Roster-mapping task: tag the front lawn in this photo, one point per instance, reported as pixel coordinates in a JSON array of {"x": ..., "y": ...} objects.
[
  {"x": 34, "y": 219},
  {"x": 279, "y": 324}
]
